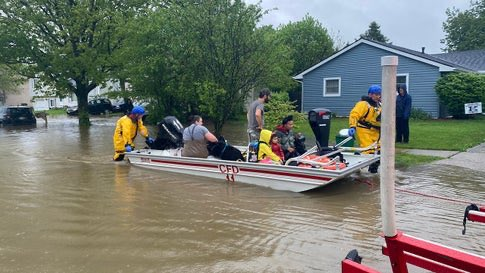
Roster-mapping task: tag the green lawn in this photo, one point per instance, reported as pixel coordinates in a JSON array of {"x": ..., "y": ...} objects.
[
  {"x": 56, "y": 112},
  {"x": 452, "y": 135},
  {"x": 442, "y": 134}
]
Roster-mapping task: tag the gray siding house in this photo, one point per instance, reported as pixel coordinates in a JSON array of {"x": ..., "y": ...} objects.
[{"x": 339, "y": 81}]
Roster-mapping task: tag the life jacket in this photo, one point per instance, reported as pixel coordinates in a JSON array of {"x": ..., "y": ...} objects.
[{"x": 363, "y": 122}]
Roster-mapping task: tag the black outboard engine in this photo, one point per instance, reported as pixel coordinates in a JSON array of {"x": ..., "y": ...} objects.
[
  {"x": 170, "y": 134},
  {"x": 319, "y": 119}
]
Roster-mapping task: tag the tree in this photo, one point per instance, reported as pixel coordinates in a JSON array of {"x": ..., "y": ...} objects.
[
  {"x": 374, "y": 33},
  {"x": 229, "y": 56},
  {"x": 465, "y": 30},
  {"x": 156, "y": 64},
  {"x": 9, "y": 80},
  {"x": 309, "y": 43},
  {"x": 66, "y": 44}
]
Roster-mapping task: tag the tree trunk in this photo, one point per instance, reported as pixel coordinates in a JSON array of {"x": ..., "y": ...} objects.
[
  {"x": 218, "y": 125},
  {"x": 82, "y": 108}
]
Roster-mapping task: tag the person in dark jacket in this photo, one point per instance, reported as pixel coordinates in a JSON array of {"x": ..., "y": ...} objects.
[
  {"x": 291, "y": 143},
  {"x": 403, "y": 112}
]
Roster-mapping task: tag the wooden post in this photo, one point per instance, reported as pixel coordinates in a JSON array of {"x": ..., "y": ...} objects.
[
  {"x": 42, "y": 115},
  {"x": 388, "y": 137}
]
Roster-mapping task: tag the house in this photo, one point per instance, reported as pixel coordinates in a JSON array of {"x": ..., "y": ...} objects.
[
  {"x": 339, "y": 81},
  {"x": 27, "y": 93}
]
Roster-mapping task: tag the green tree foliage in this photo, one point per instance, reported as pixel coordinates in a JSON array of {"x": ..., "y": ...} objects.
[
  {"x": 456, "y": 89},
  {"x": 236, "y": 57},
  {"x": 465, "y": 30},
  {"x": 156, "y": 64},
  {"x": 309, "y": 43},
  {"x": 374, "y": 33},
  {"x": 66, "y": 44},
  {"x": 278, "y": 108},
  {"x": 9, "y": 80},
  {"x": 228, "y": 53},
  {"x": 203, "y": 57}
]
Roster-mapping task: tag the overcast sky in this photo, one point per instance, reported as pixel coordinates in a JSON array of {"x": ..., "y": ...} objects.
[{"x": 408, "y": 23}]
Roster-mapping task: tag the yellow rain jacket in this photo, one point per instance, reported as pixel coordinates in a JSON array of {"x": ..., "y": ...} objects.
[
  {"x": 125, "y": 133},
  {"x": 264, "y": 148},
  {"x": 366, "y": 118}
]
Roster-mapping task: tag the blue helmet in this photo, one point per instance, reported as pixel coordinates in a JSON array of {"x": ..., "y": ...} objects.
[
  {"x": 375, "y": 89},
  {"x": 138, "y": 110}
]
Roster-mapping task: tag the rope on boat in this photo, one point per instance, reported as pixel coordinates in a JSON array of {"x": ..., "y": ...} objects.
[{"x": 439, "y": 197}]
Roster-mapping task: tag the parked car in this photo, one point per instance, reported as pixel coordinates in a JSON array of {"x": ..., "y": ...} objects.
[
  {"x": 17, "y": 115},
  {"x": 122, "y": 106},
  {"x": 95, "y": 107}
]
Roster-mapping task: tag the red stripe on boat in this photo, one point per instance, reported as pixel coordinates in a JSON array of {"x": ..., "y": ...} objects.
[{"x": 296, "y": 175}]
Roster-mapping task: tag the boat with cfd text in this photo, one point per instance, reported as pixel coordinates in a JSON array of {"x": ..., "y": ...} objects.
[
  {"x": 318, "y": 167},
  {"x": 309, "y": 175}
]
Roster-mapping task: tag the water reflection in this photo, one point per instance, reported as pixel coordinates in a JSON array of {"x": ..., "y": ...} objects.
[{"x": 66, "y": 207}]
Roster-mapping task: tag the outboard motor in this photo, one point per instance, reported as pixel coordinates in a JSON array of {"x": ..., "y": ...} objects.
[
  {"x": 319, "y": 119},
  {"x": 170, "y": 134}
]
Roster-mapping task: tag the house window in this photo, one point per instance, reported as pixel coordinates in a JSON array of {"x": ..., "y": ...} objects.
[
  {"x": 331, "y": 87},
  {"x": 403, "y": 79}
]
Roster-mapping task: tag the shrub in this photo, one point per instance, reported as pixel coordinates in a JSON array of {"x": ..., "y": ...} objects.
[
  {"x": 420, "y": 114},
  {"x": 456, "y": 89},
  {"x": 278, "y": 108}
]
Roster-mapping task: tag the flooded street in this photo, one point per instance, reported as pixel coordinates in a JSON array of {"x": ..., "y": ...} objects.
[{"x": 65, "y": 206}]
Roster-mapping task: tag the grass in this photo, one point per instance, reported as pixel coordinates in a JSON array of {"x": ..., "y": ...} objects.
[
  {"x": 55, "y": 112},
  {"x": 453, "y": 135},
  {"x": 62, "y": 112},
  {"x": 404, "y": 160},
  {"x": 450, "y": 135}
]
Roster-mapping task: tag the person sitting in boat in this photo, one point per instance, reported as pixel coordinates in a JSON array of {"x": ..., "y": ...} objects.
[
  {"x": 265, "y": 154},
  {"x": 126, "y": 130},
  {"x": 365, "y": 121},
  {"x": 290, "y": 143},
  {"x": 195, "y": 139},
  {"x": 276, "y": 147}
]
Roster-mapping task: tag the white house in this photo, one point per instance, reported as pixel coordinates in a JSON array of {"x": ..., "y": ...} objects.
[{"x": 28, "y": 94}]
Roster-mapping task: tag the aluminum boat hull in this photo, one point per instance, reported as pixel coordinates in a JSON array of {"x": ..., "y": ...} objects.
[{"x": 278, "y": 177}]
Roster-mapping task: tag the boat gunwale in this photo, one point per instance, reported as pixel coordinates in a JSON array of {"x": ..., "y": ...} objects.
[{"x": 255, "y": 166}]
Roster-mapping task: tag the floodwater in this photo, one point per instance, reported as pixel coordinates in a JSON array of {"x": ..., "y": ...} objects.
[{"x": 66, "y": 207}]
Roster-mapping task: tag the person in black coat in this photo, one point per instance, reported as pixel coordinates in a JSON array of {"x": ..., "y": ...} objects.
[{"x": 403, "y": 112}]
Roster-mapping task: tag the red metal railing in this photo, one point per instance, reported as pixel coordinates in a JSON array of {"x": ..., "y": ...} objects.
[{"x": 403, "y": 249}]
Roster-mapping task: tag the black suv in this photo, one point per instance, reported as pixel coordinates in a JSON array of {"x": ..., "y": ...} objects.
[
  {"x": 95, "y": 107},
  {"x": 17, "y": 115}
]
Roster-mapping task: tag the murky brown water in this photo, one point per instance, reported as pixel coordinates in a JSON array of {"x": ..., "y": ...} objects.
[{"x": 66, "y": 207}]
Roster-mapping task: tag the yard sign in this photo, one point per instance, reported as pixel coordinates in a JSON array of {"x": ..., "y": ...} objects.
[{"x": 473, "y": 108}]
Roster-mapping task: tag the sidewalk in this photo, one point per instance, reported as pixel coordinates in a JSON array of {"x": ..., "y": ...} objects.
[{"x": 473, "y": 158}]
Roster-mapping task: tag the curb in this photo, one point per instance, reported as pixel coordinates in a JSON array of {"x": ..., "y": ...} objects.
[{"x": 437, "y": 153}]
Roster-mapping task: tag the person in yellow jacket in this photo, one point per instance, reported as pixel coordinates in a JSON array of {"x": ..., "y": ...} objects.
[
  {"x": 264, "y": 150},
  {"x": 365, "y": 120},
  {"x": 126, "y": 130}
]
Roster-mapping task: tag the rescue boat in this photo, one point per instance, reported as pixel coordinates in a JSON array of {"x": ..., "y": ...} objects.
[{"x": 319, "y": 166}]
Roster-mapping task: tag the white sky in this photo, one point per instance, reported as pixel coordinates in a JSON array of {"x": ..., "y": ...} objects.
[{"x": 408, "y": 23}]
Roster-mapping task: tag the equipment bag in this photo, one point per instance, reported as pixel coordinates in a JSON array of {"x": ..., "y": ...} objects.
[{"x": 253, "y": 150}]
